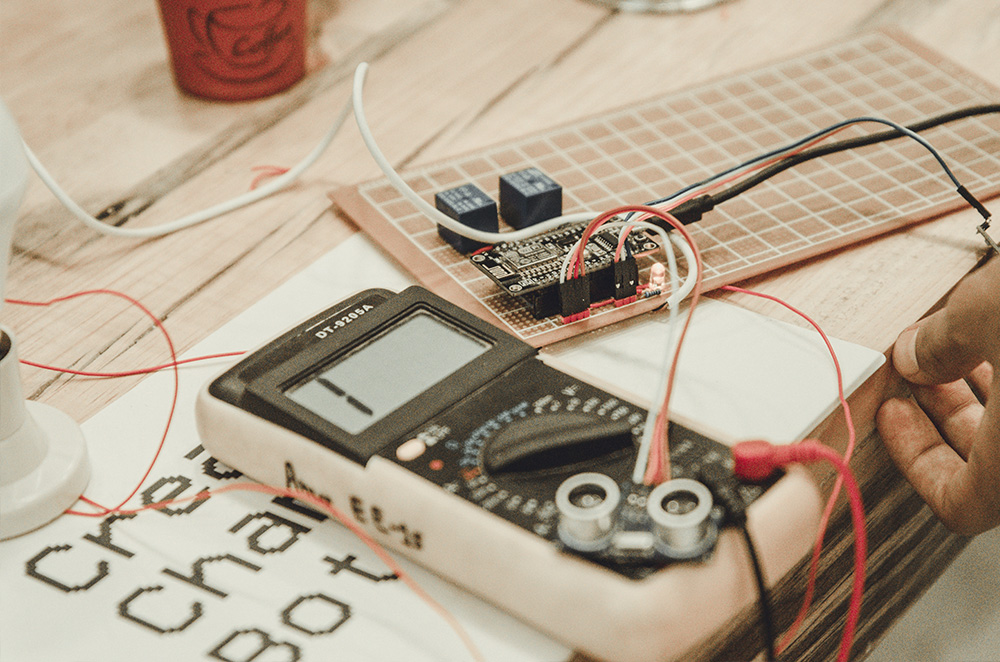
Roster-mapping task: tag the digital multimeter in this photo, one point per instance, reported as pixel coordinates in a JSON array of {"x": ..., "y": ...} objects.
[{"x": 459, "y": 445}]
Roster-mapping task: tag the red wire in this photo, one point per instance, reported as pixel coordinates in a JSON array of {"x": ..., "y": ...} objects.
[
  {"x": 658, "y": 467},
  {"x": 758, "y": 459},
  {"x": 621, "y": 241},
  {"x": 131, "y": 373},
  {"x": 173, "y": 363},
  {"x": 577, "y": 267},
  {"x": 265, "y": 173},
  {"x": 835, "y": 493},
  {"x": 757, "y": 166},
  {"x": 860, "y": 546},
  {"x": 104, "y": 510}
]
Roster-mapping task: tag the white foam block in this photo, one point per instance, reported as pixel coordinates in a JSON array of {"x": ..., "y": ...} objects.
[{"x": 741, "y": 374}]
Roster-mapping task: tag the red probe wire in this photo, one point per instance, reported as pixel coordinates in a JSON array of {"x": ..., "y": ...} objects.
[
  {"x": 831, "y": 502},
  {"x": 756, "y": 460},
  {"x": 835, "y": 493},
  {"x": 659, "y": 467}
]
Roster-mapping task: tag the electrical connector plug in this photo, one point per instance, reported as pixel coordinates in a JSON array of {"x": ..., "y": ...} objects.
[
  {"x": 688, "y": 212},
  {"x": 756, "y": 460},
  {"x": 990, "y": 241},
  {"x": 976, "y": 204},
  {"x": 987, "y": 217},
  {"x": 574, "y": 299},
  {"x": 626, "y": 281}
]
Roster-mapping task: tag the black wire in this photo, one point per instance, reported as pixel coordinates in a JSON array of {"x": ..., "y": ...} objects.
[
  {"x": 766, "y": 612},
  {"x": 843, "y": 145},
  {"x": 724, "y": 486}
]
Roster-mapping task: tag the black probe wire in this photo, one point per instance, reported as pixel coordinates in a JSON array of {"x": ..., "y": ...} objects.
[
  {"x": 923, "y": 125},
  {"x": 692, "y": 210},
  {"x": 767, "y": 621},
  {"x": 726, "y": 488},
  {"x": 854, "y": 143},
  {"x": 763, "y": 596}
]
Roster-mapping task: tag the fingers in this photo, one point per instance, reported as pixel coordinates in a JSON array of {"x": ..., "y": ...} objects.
[
  {"x": 950, "y": 343},
  {"x": 979, "y": 379},
  {"x": 954, "y": 411},
  {"x": 915, "y": 444},
  {"x": 947, "y": 445},
  {"x": 965, "y": 495},
  {"x": 947, "y": 440}
]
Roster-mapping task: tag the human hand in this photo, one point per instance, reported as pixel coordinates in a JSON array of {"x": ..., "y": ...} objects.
[{"x": 947, "y": 440}]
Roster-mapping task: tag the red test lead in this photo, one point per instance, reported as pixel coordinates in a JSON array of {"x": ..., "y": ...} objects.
[{"x": 756, "y": 460}]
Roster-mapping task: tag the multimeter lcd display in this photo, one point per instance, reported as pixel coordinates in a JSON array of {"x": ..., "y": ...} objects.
[{"x": 381, "y": 375}]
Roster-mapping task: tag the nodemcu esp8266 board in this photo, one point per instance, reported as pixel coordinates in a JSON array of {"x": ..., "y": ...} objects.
[{"x": 530, "y": 268}]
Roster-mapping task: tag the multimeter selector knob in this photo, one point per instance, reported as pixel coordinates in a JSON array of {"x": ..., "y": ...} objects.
[{"x": 555, "y": 440}]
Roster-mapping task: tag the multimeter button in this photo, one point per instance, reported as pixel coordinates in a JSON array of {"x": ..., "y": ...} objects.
[
  {"x": 550, "y": 441},
  {"x": 410, "y": 450}
]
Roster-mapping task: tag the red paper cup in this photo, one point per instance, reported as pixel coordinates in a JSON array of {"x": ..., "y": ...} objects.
[{"x": 235, "y": 49}]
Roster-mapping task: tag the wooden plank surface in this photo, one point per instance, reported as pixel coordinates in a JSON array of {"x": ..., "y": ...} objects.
[{"x": 92, "y": 94}]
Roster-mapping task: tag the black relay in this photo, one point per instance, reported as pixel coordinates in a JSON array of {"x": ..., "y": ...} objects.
[
  {"x": 528, "y": 197},
  {"x": 471, "y": 207}
]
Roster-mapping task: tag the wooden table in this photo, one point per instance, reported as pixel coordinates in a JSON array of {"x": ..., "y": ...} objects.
[{"x": 92, "y": 92}]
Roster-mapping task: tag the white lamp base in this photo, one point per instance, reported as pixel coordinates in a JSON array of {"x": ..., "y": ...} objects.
[{"x": 43, "y": 457}]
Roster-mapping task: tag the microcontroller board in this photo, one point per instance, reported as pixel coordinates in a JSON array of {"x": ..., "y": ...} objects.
[{"x": 529, "y": 268}]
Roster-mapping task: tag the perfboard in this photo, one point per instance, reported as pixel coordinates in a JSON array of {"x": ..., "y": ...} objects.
[{"x": 646, "y": 150}]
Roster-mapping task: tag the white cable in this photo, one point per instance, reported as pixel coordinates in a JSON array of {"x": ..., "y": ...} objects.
[
  {"x": 674, "y": 301},
  {"x": 429, "y": 210},
  {"x": 646, "y": 441},
  {"x": 273, "y": 186},
  {"x": 678, "y": 293}
]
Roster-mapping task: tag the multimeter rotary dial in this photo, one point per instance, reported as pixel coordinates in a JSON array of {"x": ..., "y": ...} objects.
[{"x": 531, "y": 435}]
